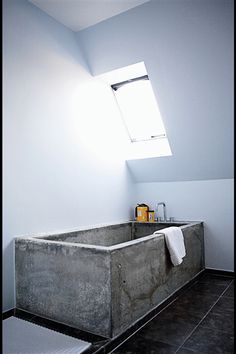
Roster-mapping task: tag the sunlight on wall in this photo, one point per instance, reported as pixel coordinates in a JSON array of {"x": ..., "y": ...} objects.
[{"x": 98, "y": 123}]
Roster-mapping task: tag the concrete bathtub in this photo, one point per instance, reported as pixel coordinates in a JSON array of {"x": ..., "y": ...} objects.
[{"x": 102, "y": 279}]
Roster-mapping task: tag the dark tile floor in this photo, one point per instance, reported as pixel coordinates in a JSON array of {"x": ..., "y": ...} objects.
[{"x": 200, "y": 320}]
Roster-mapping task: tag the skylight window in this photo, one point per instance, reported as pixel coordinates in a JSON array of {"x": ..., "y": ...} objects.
[{"x": 139, "y": 109}]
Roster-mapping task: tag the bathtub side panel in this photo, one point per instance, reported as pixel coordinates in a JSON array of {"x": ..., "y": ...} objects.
[
  {"x": 139, "y": 274},
  {"x": 143, "y": 275},
  {"x": 64, "y": 283}
]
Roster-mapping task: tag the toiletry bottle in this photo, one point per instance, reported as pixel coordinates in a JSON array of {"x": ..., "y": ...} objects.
[
  {"x": 141, "y": 212},
  {"x": 151, "y": 216}
]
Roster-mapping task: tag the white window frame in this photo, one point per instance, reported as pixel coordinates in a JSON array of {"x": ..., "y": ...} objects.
[{"x": 134, "y": 139}]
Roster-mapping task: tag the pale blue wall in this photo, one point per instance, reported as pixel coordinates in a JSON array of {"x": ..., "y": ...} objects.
[
  {"x": 62, "y": 168},
  {"x": 58, "y": 171},
  {"x": 187, "y": 46},
  {"x": 208, "y": 201}
]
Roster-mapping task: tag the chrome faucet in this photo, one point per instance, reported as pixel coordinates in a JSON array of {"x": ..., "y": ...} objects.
[{"x": 164, "y": 211}]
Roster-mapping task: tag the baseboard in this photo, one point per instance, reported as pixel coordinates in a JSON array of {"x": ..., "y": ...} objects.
[
  {"x": 8, "y": 314},
  {"x": 219, "y": 272}
]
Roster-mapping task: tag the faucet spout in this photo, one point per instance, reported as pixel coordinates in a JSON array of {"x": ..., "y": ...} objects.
[{"x": 164, "y": 210}]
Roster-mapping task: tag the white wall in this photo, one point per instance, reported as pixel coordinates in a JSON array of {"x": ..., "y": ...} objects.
[
  {"x": 187, "y": 47},
  {"x": 208, "y": 201},
  {"x": 62, "y": 168}
]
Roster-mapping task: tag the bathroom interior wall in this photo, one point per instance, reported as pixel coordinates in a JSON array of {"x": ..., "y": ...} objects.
[
  {"x": 62, "y": 168},
  {"x": 208, "y": 201},
  {"x": 187, "y": 48}
]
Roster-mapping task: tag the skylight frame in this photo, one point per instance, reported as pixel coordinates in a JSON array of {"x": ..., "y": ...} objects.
[{"x": 135, "y": 138}]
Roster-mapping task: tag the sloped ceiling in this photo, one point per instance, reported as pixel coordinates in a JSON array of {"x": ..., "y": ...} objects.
[
  {"x": 187, "y": 47},
  {"x": 80, "y": 14}
]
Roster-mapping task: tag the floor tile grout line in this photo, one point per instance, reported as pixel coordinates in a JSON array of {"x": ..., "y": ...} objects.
[
  {"x": 203, "y": 317},
  {"x": 184, "y": 291},
  {"x": 197, "y": 281},
  {"x": 226, "y": 289},
  {"x": 159, "y": 341},
  {"x": 189, "y": 286},
  {"x": 125, "y": 340},
  {"x": 218, "y": 330},
  {"x": 148, "y": 322},
  {"x": 165, "y": 309}
]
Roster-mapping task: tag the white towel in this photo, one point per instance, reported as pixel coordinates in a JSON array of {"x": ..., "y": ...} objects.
[{"x": 175, "y": 243}]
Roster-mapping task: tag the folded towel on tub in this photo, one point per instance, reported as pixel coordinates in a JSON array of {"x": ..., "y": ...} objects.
[{"x": 175, "y": 243}]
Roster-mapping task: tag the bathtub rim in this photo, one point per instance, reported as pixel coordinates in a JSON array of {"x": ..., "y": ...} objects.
[{"x": 39, "y": 240}]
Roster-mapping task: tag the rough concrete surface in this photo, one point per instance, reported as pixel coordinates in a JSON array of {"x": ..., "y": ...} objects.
[
  {"x": 100, "y": 236},
  {"x": 143, "y": 275},
  {"x": 107, "y": 284},
  {"x": 68, "y": 284}
]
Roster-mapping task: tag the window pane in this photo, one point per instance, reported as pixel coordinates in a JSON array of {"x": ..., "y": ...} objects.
[{"x": 139, "y": 110}]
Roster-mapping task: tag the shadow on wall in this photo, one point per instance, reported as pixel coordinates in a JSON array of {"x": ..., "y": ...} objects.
[
  {"x": 8, "y": 268},
  {"x": 45, "y": 34},
  {"x": 130, "y": 171}
]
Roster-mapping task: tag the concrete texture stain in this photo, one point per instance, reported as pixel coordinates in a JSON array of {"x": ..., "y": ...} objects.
[{"x": 105, "y": 289}]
